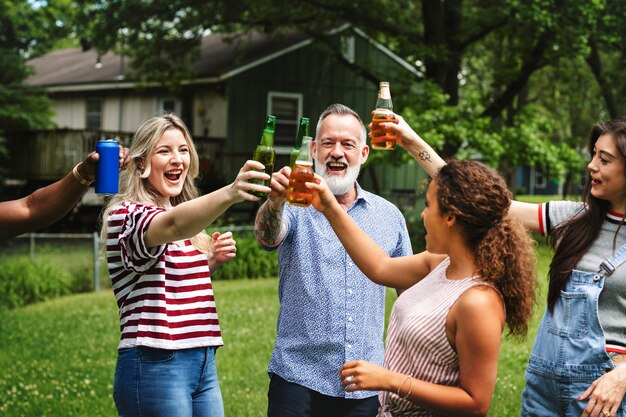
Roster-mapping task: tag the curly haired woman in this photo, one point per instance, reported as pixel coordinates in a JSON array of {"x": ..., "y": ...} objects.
[
  {"x": 475, "y": 277},
  {"x": 576, "y": 365}
]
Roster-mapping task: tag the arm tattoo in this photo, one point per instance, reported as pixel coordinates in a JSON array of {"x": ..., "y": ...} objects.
[
  {"x": 268, "y": 226},
  {"x": 424, "y": 156}
]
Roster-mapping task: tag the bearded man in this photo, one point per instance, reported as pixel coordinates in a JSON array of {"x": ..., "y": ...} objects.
[{"x": 330, "y": 313}]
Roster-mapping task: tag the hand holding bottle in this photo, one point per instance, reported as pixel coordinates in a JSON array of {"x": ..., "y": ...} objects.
[
  {"x": 406, "y": 136},
  {"x": 414, "y": 144},
  {"x": 279, "y": 186},
  {"x": 249, "y": 182},
  {"x": 323, "y": 199}
]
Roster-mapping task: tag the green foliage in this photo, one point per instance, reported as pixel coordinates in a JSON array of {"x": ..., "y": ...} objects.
[
  {"x": 23, "y": 282},
  {"x": 252, "y": 260},
  {"x": 27, "y": 29}
]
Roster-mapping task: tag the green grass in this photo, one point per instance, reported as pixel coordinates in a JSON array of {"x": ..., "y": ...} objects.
[{"x": 58, "y": 357}]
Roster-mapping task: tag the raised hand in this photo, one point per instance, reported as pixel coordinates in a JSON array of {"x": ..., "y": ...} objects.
[
  {"x": 242, "y": 186},
  {"x": 279, "y": 186},
  {"x": 224, "y": 249},
  {"x": 323, "y": 198}
]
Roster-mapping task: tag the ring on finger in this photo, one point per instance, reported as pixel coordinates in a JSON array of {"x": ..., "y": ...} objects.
[
  {"x": 606, "y": 413},
  {"x": 349, "y": 378}
]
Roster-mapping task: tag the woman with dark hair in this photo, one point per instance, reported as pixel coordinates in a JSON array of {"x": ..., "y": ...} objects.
[
  {"x": 573, "y": 368},
  {"x": 476, "y": 277}
]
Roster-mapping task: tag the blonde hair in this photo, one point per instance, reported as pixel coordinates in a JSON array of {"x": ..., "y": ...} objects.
[{"x": 134, "y": 185}]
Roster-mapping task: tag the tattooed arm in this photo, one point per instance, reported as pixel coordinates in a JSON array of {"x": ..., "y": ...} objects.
[
  {"x": 412, "y": 142},
  {"x": 269, "y": 229}
]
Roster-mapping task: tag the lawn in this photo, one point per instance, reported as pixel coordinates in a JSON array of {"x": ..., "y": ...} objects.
[{"x": 57, "y": 358}]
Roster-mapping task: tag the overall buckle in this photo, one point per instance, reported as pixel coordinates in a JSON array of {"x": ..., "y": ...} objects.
[{"x": 608, "y": 267}]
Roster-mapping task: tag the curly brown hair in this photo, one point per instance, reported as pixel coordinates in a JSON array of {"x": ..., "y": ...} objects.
[{"x": 503, "y": 249}]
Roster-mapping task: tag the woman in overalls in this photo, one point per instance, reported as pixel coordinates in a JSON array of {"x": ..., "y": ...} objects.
[{"x": 574, "y": 368}]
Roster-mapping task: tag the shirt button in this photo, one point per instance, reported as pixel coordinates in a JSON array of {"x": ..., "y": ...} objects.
[
  {"x": 349, "y": 318},
  {"x": 350, "y": 263},
  {"x": 349, "y": 291},
  {"x": 349, "y": 346}
]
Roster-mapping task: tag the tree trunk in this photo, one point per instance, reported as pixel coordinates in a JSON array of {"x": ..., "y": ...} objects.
[{"x": 595, "y": 64}]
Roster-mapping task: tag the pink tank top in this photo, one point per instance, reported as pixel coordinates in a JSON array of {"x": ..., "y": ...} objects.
[{"x": 416, "y": 339}]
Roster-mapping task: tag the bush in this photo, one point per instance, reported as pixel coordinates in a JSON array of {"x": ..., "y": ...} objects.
[
  {"x": 252, "y": 260},
  {"x": 415, "y": 226},
  {"x": 23, "y": 282}
]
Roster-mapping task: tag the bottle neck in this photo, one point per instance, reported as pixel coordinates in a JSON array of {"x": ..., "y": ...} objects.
[
  {"x": 384, "y": 103},
  {"x": 267, "y": 139},
  {"x": 303, "y": 130}
]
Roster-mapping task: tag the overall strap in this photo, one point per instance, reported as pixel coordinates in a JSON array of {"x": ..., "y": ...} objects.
[{"x": 608, "y": 266}]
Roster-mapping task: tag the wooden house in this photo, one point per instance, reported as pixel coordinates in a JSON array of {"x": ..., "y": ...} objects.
[{"x": 238, "y": 81}]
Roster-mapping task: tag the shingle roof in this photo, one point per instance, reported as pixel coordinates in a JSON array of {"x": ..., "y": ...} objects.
[{"x": 219, "y": 55}]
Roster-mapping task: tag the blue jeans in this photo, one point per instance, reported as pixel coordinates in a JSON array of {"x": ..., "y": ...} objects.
[
  {"x": 569, "y": 352},
  {"x": 286, "y": 399},
  {"x": 164, "y": 383}
]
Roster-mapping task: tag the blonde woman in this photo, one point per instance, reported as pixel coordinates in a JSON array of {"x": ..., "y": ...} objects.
[{"x": 160, "y": 261}]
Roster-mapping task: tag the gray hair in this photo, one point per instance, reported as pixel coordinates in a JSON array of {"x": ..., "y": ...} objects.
[{"x": 342, "y": 110}]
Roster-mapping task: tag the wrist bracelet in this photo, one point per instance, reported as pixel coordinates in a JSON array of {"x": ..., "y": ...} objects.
[
  {"x": 410, "y": 387},
  {"x": 79, "y": 177}
]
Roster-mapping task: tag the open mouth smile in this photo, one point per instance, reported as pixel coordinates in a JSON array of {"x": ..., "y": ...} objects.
[
  {"x": 336, "y": 166},
  {"x": 595, "y": 182},
  {"x": 174, "y": 175}
]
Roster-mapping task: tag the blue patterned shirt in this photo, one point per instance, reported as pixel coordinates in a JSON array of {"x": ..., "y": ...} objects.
[{"x": 330, "y": 312}]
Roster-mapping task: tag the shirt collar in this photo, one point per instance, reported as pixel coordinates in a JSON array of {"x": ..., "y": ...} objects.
[{"x": 360, "y": 196}]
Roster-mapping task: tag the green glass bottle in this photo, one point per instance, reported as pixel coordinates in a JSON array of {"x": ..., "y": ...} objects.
[
  {"x": 264, "y": 153},
  {"x": 303, "y": 130}
]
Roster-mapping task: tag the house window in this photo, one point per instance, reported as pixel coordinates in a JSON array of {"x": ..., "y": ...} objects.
[
  {"x": 168, "y": 105},
  {"x": 347, "y": 48},
  {"x": 94, "y": 113},
  {"x": 287, "y": 107},
  {"x": 540, "y": 178}
]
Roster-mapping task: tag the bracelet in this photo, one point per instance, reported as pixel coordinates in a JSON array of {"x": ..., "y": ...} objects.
[
  {"x": 79, "y": 177},
  {"x": 410, "y": 387}
]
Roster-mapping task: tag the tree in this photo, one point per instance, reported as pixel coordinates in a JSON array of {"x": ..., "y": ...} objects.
[
  {"x": 483, "y": 60},
  {"x": 27, "y": 29}
]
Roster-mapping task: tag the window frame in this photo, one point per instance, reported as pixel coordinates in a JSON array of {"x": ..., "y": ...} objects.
[
  {"x": 284, "y": 148},
  {"x": 90, "y": 115}
]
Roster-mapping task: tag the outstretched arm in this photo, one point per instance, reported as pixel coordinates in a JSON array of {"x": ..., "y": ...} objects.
[
  {"x": 192, "y": 217},
  {"x": 432, "y": 163},
  {"x": 400, "y": 272},
  {"x": 47, "y": 204}
]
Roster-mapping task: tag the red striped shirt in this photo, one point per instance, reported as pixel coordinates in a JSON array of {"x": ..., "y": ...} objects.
[{"x": 164, "y": 294}]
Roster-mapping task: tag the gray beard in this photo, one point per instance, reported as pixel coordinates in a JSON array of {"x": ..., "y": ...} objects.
[{"x": 338, "y": 184}]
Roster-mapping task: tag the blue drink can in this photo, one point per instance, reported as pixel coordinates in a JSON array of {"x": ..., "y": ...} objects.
[{"x": 108, "y": 169}]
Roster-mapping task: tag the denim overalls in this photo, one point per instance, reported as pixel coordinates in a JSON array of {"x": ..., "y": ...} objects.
[{"x": 569, "y": 351}]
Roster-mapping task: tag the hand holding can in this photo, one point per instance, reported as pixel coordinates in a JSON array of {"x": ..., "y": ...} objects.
[{"x": 108, "y": 169}]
